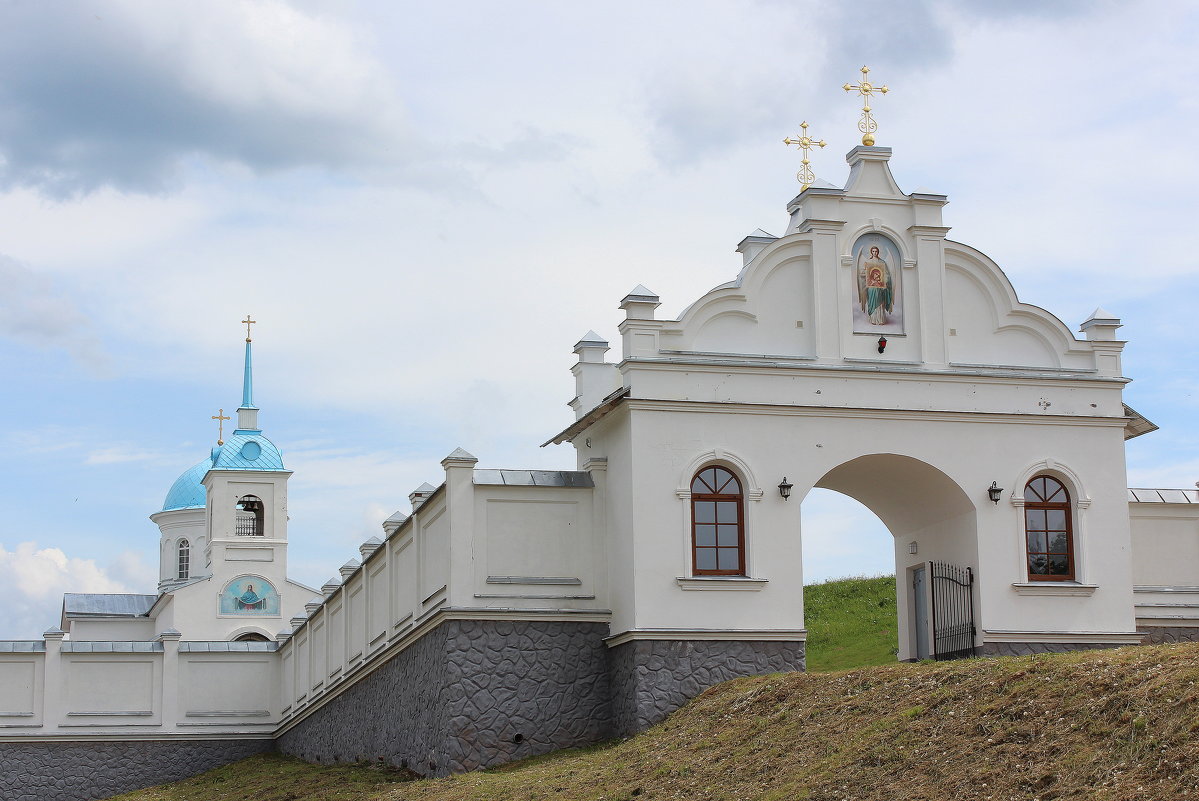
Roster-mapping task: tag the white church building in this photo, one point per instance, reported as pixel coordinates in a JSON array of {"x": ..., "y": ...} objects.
[
  {"x": 223, "y": 536},
  {"x": 517, "y": 611}
]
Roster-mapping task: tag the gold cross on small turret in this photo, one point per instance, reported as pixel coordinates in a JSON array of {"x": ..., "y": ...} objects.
[
  {"x": 866, "y": 89},
  {"x": 806, "y": 143},
  {"x": 220, "y": 418},
  {"x": 248, "y": 322}
]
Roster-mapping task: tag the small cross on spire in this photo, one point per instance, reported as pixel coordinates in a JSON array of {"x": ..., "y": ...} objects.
[
  {"x": 220, "y": 418},
  {"x": 866, "y": 89},
  {"x": 806, "y": 143},
  {"x": 248, "y": 322}
]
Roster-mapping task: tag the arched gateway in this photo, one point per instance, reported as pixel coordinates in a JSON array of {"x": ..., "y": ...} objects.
[
  {"x": 865, "y": 352},
  {"x": 931, "y": 519}
]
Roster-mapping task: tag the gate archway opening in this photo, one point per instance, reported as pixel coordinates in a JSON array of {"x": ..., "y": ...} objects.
[{"x": 929, "y": 519}]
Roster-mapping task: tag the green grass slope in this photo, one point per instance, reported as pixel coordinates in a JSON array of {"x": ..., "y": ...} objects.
[
  {"x": 1106, "y": 725},
  {"x": 850, "y": 623}
]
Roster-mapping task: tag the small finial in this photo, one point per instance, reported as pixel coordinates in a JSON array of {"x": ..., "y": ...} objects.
[
  {"x": 866, "y": 125},
  {"x": 248, "y": 322},
  {"x": 220, "y": 418},
  {"x": 806, "y": 143}
]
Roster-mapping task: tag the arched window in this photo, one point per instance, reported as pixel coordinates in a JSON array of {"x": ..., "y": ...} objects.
[
  {"x": 1048, "y": 530},
  {"x": 184, "y": 551},
  {"x": 717, "y": 523},
  {"x": 249, "y": 517},
  {"x": 251, "y": 636}
]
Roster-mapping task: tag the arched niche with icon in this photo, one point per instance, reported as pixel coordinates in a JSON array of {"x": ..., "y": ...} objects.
[
  {"x": 251, "y": 596},
  {"x": 878, "y": 295}
]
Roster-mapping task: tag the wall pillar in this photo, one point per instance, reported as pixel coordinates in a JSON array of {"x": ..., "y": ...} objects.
[
  {"x": 170, "y": 678},
  {"x": 52, "y": 688}
]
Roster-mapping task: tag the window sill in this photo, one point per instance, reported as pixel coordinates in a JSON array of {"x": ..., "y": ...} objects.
[
  {"x": 720, "y": 583},
  {"x": 1054, "y": 588}
]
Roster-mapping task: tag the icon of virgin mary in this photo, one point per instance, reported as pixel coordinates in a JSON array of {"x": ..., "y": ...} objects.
[
  {"x": 876, "y": 290},
  {"x": 250, "y": 600}
]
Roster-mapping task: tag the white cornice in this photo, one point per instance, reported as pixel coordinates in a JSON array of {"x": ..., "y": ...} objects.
[
  {"x": 726, "y": 583},
  {"x": 854, "y": 412},
  {"x": 1087, "y": 637},
  {"x": 721, "y": 635},
  {"x": 1054, "y": 588},
  {"x": 795, "y": 366}
]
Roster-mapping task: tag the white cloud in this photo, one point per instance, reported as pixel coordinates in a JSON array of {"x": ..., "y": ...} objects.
[
  {"x": 115, "y": 454},
  {"x": 34, "y": 311},
  {"x": 36, "y": 578},
  {"x": 125, "y": 93}
]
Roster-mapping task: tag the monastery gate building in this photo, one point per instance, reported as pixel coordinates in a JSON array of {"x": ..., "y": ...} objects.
[{"x": 518, "y": 611}]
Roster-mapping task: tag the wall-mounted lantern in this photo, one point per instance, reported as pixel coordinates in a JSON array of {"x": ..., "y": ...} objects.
[
  {"x": 785, "y": 488},
  {"x": 995, "y": 491},
  {"x": 882, "y": 344},
  {"x": 912, "y": 547}
]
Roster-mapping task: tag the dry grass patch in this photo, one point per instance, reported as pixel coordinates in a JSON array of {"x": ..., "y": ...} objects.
[{"x": 1120, "y": 724}]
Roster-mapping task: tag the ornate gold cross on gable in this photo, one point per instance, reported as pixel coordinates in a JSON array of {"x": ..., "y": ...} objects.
[
  {"x": 866, "y": 89},
  {"x": 806, "y": 143},
  {"x": 220, "y": 418},
  {"x": 248, "y": 322}
]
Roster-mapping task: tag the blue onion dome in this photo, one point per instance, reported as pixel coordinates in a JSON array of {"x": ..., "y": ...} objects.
[
  {"x": 188, "y": 490},
  {"x": 246, "y": 450}
]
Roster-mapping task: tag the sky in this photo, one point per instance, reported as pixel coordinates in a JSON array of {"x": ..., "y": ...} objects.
[{"x": 425, "y": 206}]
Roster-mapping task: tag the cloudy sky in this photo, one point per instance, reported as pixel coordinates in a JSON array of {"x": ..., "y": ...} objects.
[{"x": 425, "y": 206}]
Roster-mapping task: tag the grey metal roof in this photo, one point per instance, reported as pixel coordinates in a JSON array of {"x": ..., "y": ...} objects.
[
  {"x": 578, "y": 426},
  {"x": 101, "y": 604},
  {"x": 22, "y": 646},
  {"x": 1137, "y": 423},
  {"x": 224, "y": 646},
  {"x": 1163, "y": 496},
  {"x": 110, "y": 647},
  {"x": 534, "y": 478}
]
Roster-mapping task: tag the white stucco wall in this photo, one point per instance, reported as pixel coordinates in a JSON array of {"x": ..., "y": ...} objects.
[{"x": 770, "y": 376}]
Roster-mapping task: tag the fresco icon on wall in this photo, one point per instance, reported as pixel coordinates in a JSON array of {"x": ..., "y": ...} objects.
[
  {"x": 878, "y": 300},
  {"x": 249, "y": 595}
]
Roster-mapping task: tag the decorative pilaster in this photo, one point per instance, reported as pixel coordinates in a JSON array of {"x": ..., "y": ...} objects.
[
  {"x": 170, "y": 677},
  {"x": 53, "y": 690}
]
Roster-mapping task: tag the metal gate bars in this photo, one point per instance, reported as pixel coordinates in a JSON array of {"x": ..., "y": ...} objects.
[{"x": 952, "y": 610}]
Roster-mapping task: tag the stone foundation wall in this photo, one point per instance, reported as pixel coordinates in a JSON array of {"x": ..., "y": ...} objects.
[
  {"x": 1157, "y": 635},
  {"x": 652, "y": 678},
  {"x": 83, "y": 771},
  {"x": 468, "y": 695},
  {"x": 394, "y": 714},
  {"x": 1026, "y": 648}
]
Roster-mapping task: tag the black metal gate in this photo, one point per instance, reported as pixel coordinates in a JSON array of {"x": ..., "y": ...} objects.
[{"x": 952, "y": 610}]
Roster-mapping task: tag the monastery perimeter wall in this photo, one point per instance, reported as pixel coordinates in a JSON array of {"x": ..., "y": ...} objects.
[
  {"x": 83, "y": 771},
  {"x": 83, "y": 720},
  {"x": 475, "y": 633},
  {"x": 468, "y": 694}
]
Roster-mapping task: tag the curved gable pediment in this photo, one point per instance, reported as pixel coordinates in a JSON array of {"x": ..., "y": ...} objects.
[
  {"x": 757, "y": 313},
  {"x": 989, "y": 325}
]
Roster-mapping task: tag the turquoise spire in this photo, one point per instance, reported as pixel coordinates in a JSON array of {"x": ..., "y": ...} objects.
[
  {"x": 247, "y": 384},
  {"x": 247, "y": 413}
]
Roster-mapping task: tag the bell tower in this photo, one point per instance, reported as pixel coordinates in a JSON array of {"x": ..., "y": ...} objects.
[{"x": 246, "y": 500}]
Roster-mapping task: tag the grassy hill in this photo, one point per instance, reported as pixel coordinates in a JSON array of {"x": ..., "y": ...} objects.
[
  {"x": 1113, "y": 725},
  {"x": 850, "y": 622},
  {"x": 1120, "y": 724}
]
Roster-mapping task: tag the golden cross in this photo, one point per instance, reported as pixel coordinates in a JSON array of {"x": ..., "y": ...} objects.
[
  {"x": 866, "y": 89},
  {"x": 248, "y": 323},
  {"x": 220, "y": 418},
  {"x": 806, "y": 143}
]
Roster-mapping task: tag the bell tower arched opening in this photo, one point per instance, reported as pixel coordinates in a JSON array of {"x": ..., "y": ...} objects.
[{"x": 930, "y": 520}]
